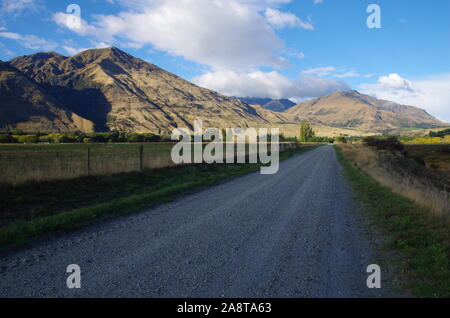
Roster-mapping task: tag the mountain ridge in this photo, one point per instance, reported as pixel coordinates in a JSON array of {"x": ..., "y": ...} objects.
[
  {"x": 356, "y": 110},
  {"x": 276, "y": 105},
  {"x": 109, "y": 89},
  {"x": 117, "y": 91}
]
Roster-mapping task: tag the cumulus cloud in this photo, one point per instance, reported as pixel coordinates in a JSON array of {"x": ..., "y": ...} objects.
[
  {"x": 223, "y": 34},
  {"x": 268, "y": 84},
  {"x": 431, "y": 94},
  {"x": 395, "y": 83}
]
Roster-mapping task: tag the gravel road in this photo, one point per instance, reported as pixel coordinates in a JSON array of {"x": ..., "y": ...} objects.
[{"x": 294, "y": 234}]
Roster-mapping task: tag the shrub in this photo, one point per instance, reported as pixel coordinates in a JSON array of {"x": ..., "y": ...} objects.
[
  {"x": 28, "y": 139},
  {"x": 427, "y": 140},
  {"x": 389, "y": 143},
  {"x": 6, "y": 139},
  {"x": 135, "y": 138}
]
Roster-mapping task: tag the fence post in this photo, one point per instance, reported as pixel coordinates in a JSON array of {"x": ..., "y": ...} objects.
[
  {"x": 141, "y": 158},
  {"x": 88, "y": 161}
]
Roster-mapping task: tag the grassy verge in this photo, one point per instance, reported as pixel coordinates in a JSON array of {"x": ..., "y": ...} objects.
[
  {"x": 423, "y": 241},
  {"x": 152, "y": 187}
]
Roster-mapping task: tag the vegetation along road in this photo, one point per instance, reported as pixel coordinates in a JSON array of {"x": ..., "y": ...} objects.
[{"x": 294, "y": 234}]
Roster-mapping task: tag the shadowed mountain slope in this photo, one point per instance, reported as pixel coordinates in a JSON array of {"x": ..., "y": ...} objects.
[
  {"x": 117, "y": 91},
  {"x": 25, "y": 105},
  {"x": 277, "y": 105}
]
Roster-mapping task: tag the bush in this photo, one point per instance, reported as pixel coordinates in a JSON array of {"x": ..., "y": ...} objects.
[
  {"x": 133, "y": 138},
  {"x": 28, "y": 139},
  {"x": 6, "y": 139},
  {"x": 79, "y": 137},
  {"x": 389, "y": 143},
  {"x": 440, "y": 134},
  {"x": 427, "y": 140}
]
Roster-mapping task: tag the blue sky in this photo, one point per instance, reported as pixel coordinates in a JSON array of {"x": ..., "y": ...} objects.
[{"x": 295, "y": 49}]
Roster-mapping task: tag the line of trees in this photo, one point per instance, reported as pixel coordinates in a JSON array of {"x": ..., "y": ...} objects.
[
  {"x": 440, "y": 134},
  {"x": 307, "y": 134},
  {"x": 79, "y": 137}
]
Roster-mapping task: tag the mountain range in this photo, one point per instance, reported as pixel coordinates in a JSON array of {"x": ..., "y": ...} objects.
[
  {"x": 352, "y": 109},
  {"x": 108, "y": 89},
  {"x": 277, "y": 105}
]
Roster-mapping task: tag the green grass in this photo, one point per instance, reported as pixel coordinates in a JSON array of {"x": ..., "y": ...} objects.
[
  {"x": 421, "y": 241},
  {"x": 144, "y": 190}
]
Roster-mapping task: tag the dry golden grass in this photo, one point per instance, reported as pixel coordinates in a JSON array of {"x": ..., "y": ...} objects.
[
  {"x": 404, "y": 176},
  {"x": 24, "y": 163}
]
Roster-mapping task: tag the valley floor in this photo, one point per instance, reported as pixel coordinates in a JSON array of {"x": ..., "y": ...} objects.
[{"x": 294, "y": 234}]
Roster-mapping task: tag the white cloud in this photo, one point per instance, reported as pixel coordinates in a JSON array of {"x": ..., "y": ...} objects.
[
  {"x": 335, "y": 72},
  {"x": 72, "y": 50},
  {"x": 294, "y": 53},
  {"x": 284, "y": 19},
  {"x": 320, "y": 71},
  {"x": 268, "y": 84},
  {"x": 223, "y": 34},
  {"x": 432, "y": 94},
  {"x": 30, "y": 41},
  {"x": 395, "y": 82},
  {"x": 16, "y": 7},
  {"x": 62, "y": 19}
]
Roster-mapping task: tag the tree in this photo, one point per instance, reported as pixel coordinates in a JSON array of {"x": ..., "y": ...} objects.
[
  {"x": 135, "y": 138},
  {"x": 306, "y": 132},
  {"x": 28, "y": 139},
  {"x": 6, "y": 139}
]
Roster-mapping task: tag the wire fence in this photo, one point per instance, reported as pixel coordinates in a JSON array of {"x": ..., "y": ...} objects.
[{"x": 22, "y": 165}]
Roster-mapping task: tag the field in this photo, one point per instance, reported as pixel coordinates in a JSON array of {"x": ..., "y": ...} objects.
[
  {"x": 32, "y": 209},
  {"x": 25, "y": 163},
  {"x": 22, "y": 163}
]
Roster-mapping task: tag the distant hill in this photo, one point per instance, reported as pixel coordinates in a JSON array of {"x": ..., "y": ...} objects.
[
  {"x": 277, "y": 105},
  {"x": 352, "y": 109}
]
